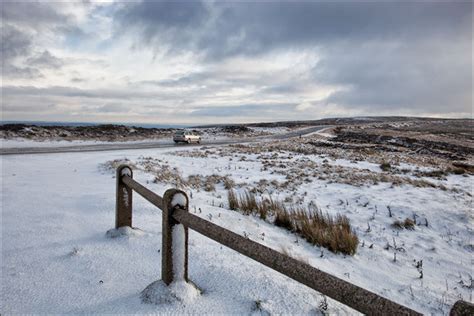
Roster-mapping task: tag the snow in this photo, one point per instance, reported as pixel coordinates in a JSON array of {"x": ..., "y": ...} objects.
[
  {"x": 57, "y": 258},
  {"x": 124, "y": 231},
  {"x": 323, "y": 132},
  {"x": 178, "y": 252},
  {"x": 23, "y": 142},
  {"x": 179, "y": 292},
  {"x": 126, "y": 172},
  {"x": 179, "y": 199}
]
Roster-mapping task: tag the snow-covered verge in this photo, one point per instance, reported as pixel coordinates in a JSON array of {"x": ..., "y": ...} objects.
[
  {"x": 56, "y": 257},
  {"x": 24, "y": 142},
  {"x": 207, "y": 135}
]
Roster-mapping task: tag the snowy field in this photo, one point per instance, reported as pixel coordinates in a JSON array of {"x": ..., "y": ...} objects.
[{"x": 57, "y": 259}]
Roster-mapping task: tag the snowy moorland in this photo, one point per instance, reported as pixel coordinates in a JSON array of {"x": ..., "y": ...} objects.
[
  {"x": 57, "y": 258},
  {"x": 20, "y": 136}
]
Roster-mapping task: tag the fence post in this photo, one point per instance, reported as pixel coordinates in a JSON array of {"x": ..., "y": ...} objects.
[
  {"x": 123, "y": 204},
  {"x": 174, "y": 251},
  {"x": 462, "y": 308}
]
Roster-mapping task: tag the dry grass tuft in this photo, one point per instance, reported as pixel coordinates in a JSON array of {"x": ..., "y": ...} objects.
[
  {"x": 385, "y": 166},
  {"x": 284, "y": 219},
  {"x": 169, "y": 175},
  {"x": 228, "y": 183},
  {"x": 112, "y": 165},
  {"x": 332, "y": 232},
  {"x": 233, "y": 200},
  {"x": 407, "y": 224},
  {"x": 397, "y": 224},
  {"x": 248, "y": 204}
]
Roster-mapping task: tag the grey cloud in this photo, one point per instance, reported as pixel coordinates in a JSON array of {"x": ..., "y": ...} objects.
[
  {"x": 73, "y": 92},
  {"x": 382, "y": 76},
  {"x": 78, "y": 80},
  {"x": 226, "y": 29},
  {"x": 34, "y": 15},
  {"x": 390, "y": 55},
  {"x": 245, "y": 110},
  {"x": 50, "y": 91},
  {"x": 114, "y": 108},
  {"x": 46, "y": 59},
  {"x": 12, "y": 71},
  {"x": 28, "y": 108},
  {"x": 162, "y": 21},
  {"x": 14, "y": 43},
  {"x": 23, "y": 23}
]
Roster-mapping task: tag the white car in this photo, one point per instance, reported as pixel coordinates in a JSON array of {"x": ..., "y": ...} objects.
[{"x": 182, "y": 136}]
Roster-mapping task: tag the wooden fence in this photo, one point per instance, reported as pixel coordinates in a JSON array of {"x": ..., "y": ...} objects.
[{"x": 174, "y": 206}]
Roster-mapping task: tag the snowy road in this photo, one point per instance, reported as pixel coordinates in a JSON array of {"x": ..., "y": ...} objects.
[{"x": 148, "y": 145}]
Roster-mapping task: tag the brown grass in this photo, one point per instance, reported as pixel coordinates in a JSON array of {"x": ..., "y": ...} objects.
[
  {"x": 169, "y": 175},
  {"x": 332, "y": 232},
  {"x": 284, "y": 219},
  {"x": 233, "y": 200},
  {"x": 228, "y": 183},
  {"x": 249, "y": 204},
  {"x": 407, "y": 224},
  {"x": 385, "y": 166}
]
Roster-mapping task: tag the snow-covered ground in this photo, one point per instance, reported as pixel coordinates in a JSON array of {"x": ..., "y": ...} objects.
[
  {"x": 24, "y": 142},
  {"x": 56, "y": 257},
  {"x": 207, "y": 134}
]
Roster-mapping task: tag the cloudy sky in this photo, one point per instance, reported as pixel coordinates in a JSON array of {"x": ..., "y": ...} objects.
[{"x": 186, "y": 62}]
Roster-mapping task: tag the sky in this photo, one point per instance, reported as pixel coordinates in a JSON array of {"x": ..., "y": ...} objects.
[{"x": 192, "y": 62}]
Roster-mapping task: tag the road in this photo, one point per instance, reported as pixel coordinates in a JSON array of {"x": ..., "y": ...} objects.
[{"x": 148, "y": 145}]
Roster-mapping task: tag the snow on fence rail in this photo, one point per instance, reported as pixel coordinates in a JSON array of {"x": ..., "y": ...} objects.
[{"x": 177, "y": 220}]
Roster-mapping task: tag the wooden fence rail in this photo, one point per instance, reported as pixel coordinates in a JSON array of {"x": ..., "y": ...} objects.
[{"x": 174, "y": 206}]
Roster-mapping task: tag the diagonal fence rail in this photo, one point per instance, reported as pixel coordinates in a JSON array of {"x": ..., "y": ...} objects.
[{"x": 174, "y": 206}]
